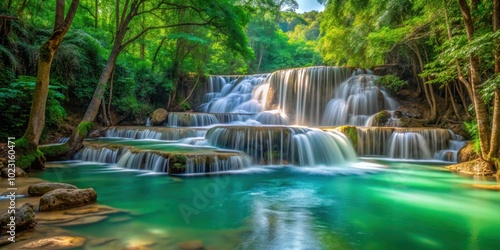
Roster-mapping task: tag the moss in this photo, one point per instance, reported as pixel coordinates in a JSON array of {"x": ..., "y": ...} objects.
[
  {"x": 28, "y": 157},
  {"x": 351, "y": 133},
  {"x": 84, "y": 128},
  {"x": 404, "y": 122},
  {"x": 177, "y": 164},
  {"x": 381, "y": 118},
  {"x": 54, "y": 152}
]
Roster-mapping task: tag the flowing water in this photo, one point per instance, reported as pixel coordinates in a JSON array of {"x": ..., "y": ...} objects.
[{"x": 264, "y": 165}]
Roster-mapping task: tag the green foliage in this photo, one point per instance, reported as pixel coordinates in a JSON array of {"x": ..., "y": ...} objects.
[
  {"x": 472, "y": 128},
  {"x": 16, "y": 99},
  {"x": 391, "y": 82}
]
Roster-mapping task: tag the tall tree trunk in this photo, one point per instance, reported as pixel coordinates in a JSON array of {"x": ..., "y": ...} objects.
[
  {"x": 111, "y": 96},
  {"x": 494, "y": 154},
  {"x": 96, "y": 20},
  {"x": 81, "y": 132},
  {"x": 36, "y": 123},
  {"x": 428, "y": 90},
  {"x": 481, "y": 111}
]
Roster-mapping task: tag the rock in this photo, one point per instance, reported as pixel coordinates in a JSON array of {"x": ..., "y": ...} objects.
[
  {"x": 25, "y": 219},
  {"x": 58, "y": 242},
  {"x": 381, "y": 118},
  {"x": 67, "y": 198},
  {"x": 101, "y": 242},
  {"x": 158, "y": 116},
  {"x": 476, "y": 167},
  {"x": 191, "y": 245},
  {"x": 467, "y": 153},
  {"x": 398, "y": 114},
  {"x": 18, "y": 171},
  {"x": 40, "y": 189}
]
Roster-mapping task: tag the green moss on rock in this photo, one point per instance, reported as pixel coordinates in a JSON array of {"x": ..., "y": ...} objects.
[
  {"x": 54, "y": 152},
  {"x": 177, "y": 164},
  {"x": 84, "y": 128},
  {"x": 381, "y": 118},
  {"x": 351, "y": 133},
  {"x": 28, "y": 158}
]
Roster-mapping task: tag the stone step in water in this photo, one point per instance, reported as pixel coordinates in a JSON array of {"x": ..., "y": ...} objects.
[
  {"x": 165, "y": 157},
  {"x": 158, "y": 133}
]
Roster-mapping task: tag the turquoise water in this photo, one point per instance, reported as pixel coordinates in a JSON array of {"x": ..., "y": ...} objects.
[{"x": 402, "y": 206}]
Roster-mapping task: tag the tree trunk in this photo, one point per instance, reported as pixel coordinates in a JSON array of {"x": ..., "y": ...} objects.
[
  {"x": 494, "y": 154},
  {"x": 481, "y": 111},
  {"x": 75, "y": 141},
  {"x": 29, "y": 142}
]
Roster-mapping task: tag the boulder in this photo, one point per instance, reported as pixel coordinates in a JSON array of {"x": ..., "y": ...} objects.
[
  {"x": 25, "y": 219},
  {"x": 18, "y": 171},
  {"x": 59, "y": 199},
  {"x": 40, "y": 189},
  {"x": 158, "y": 116},
  {"x": 58, "y": 242},
  {"x": 381, "y": 118}
]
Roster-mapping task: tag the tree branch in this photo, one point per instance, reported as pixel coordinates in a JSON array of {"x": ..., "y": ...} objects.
[
  {"x": 9, "y": 17},
  {"x": 131, "y": 40}
]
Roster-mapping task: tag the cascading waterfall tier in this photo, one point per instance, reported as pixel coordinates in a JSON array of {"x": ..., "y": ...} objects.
[
  {"x": 279, "y": 145},
  {"x": 158, "y": 133},
  {"x": 409, "y": 143},
  {"x": 232, "y": 94},
  {"x": 356, "y": 100},
  {"x": 162, "y": 157},
  {"x": 302, "y": 94},
  {"x": 195, "y": 119}
]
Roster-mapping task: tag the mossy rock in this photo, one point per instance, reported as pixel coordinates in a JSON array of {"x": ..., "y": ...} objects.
[
  {"x": 54, "y": 151},
  {"x": 177, "y": 164},
  {"x": 158, "y": 116},
  {"x": 381, "y": 118},
  {"x": 351, "y": 133},
  {"x": 28, "y": 158}
]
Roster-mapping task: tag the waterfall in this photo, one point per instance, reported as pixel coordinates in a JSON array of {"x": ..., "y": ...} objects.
[
  {"x": 302, "y": 94},
  {"x": 278, "y": 145},
  {"x": 159, "y": 133},
  {"x": 409, "y": 143},
  {"x": 232, "y": 94},
  {"x": 355, "y": 101},
  {"x": 195, "y": 119},
  {"x": 175, "y": 159}
]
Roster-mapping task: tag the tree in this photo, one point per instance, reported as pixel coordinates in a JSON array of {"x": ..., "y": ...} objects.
[
  {"x": 30, "y": 156},
  {"x": 222, "y": 16}
]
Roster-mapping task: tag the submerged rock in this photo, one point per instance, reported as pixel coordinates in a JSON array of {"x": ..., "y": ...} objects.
[
  {"x": 158, "y": 116},
  {"x": 40, "y": 189},
  {"x": 191, "y": 245},
  {"x": 67, "y": 198},
  {"x": 486, "y": 187},
  {"x": 58, "y": 242},
  {"x": 25, "y": 219}
]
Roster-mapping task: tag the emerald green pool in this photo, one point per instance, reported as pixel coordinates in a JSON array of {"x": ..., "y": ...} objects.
[{"x": 402, "y": 206}]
